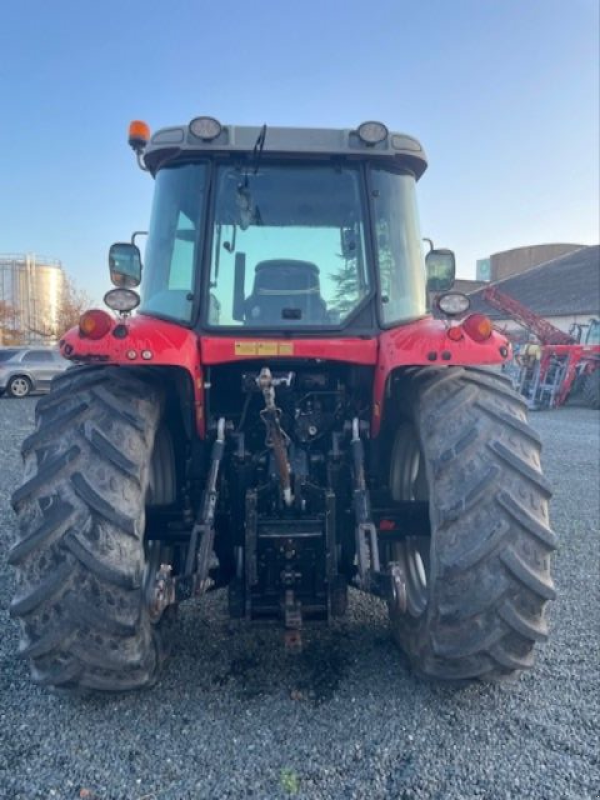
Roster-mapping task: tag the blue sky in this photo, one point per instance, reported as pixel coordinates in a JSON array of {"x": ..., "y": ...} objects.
[{"x": 504, "y": 95}]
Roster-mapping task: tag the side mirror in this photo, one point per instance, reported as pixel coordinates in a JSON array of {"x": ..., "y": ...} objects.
[
  {"x": 125, "y": 264},
  {"x": 441, "y": 270}
]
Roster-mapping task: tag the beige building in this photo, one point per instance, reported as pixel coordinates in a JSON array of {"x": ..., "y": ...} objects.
[
  {"x": 32, "y": 286},
  {"x": 512, "y": 262}
]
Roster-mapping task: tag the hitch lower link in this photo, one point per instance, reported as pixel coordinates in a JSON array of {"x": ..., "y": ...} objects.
[
  {"x": 390, "y": 584},
  {"x": 195, "y": 581}
]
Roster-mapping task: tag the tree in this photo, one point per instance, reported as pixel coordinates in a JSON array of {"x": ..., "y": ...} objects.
[
  {"x": 10, "y": 331},
  {"x": 73, "y": 301},
  {"x": 346, "y": 291},
  {"x": 346, "y": 278}
]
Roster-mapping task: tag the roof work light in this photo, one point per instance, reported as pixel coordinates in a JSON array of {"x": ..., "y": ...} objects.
[
  {"x": 372, "y": 133},
  {"x": 205, "y": 128}
]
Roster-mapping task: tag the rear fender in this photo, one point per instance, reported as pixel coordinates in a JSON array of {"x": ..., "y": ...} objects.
[
  {"x": 426, "y": 343},
  {"x": 143, "y": 342}
]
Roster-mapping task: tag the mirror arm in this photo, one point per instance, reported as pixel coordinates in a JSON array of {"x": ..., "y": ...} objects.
[
  {"x": 137, "y": 233},
  {"x": 140, "y": 161}
]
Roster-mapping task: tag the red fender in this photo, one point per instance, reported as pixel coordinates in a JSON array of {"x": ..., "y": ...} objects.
[
  {"x": 163, "y": 343},
  {"x": 421, "y": 343},
  {"x": 426, "y": 343}
]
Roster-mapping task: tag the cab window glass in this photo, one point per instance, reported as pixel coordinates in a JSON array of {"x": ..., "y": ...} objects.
[
  {"x": 398, "y": 245},
  {"x": 174, "y": 241},
  {"x": 288, "y": 247}
]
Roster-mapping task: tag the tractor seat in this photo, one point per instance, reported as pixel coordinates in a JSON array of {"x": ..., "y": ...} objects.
[{"x": 285, "y": 291}]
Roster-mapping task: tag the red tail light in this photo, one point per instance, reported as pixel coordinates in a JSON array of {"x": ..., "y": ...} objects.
[
  {"x": 455, "y": 333},
  {"x": 94, "y": 324},
  {"x": 478, "y": 327}
]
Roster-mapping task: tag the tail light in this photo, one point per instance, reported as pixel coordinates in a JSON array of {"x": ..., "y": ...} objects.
[
  {"x": 455, "y": 333},
  {"x": 94, "y": 324},
  {"x": 478, "y": 327}
]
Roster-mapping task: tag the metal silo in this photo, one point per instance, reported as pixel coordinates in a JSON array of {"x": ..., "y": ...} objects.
[{"x": 33, "y": 286}]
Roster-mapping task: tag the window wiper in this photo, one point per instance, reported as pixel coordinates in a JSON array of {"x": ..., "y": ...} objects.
[
  {"x": 259, "y": 147},
  {"x": 230, "y": 246},
  {"x": 257, "y": 150},
  {"x": 249, "y": 213}
]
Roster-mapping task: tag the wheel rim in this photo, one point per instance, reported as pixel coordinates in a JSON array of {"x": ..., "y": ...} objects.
[
  {"x": 19, "y": 387},
  {"x": 408, "y": 483}
]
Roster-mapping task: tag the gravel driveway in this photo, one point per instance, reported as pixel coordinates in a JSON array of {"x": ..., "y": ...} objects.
[{"x": 235, "y": 717}]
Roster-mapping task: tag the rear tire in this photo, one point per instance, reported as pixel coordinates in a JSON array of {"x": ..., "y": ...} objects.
[
  {"x": 591, "y": 389},
  {"x": 19, "y": 387},
  {"x": 484, "y": 577},
  {"x": 80, "y": 556}
]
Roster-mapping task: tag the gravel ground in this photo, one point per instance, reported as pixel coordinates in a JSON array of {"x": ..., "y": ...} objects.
[{"x": 235, "y": 717}]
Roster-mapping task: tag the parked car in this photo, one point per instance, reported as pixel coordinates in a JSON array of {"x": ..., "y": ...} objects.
[{"x": 24, "y": 370}]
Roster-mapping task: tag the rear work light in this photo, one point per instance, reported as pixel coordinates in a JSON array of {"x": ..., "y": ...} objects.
[
  {"x": 478, "y": 327},
  {"x": 453, "y": 304},
  {"x": 94, "y": 324},
  {"x": 123, "y": 300}
]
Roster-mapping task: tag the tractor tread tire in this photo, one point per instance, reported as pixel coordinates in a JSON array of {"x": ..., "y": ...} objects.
[
  {"x": 79, "y": 557},
  {"x": 591, "y": 389},
  {"x": 489, "y": 577}
]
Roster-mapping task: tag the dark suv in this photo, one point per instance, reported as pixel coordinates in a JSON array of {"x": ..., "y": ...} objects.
[{"x": 27, "y": 369}]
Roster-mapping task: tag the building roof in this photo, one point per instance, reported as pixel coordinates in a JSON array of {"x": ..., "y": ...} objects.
[
  {"x": 566, "y": 285},
  {"x": 466, "y": 285},
  {"x": 567, "y": 247}
]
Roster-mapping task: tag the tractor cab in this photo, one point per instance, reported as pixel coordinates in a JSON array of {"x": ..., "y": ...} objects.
[{"x": 280, "y": 229}]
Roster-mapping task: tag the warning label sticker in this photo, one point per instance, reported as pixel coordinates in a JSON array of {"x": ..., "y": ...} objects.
[{"x": 269, "y": 348}]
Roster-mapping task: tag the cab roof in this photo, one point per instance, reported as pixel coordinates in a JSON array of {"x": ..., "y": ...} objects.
[{"x": 179, "y": 142}]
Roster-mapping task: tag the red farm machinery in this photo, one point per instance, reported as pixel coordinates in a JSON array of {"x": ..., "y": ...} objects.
[
  {"x": 282, "y": 418},
  {"x": 562, "y": 365}
]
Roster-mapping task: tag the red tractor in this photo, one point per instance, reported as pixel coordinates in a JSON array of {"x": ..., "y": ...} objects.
[{"x": 283, "y": 417}]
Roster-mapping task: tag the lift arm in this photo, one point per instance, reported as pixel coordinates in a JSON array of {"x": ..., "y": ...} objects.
[{"x": 544, "y": 330}]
